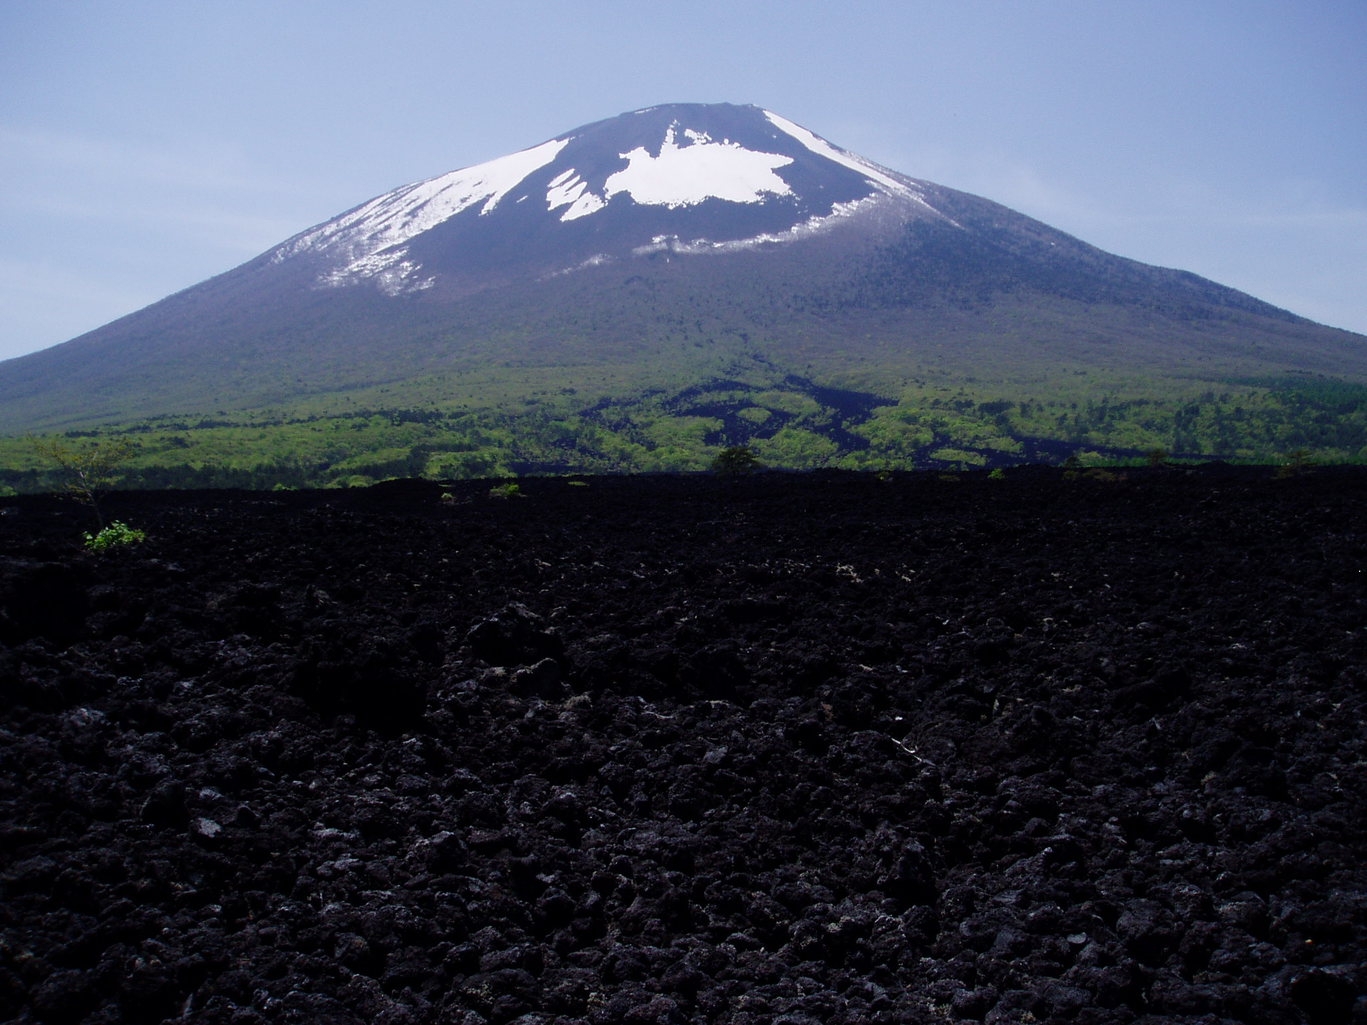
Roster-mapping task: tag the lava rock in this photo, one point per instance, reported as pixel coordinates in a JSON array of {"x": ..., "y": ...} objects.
[{"x": 787, "y": 749}]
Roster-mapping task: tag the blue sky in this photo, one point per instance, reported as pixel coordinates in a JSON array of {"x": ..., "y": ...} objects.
[{"x": 146, "y": 146}]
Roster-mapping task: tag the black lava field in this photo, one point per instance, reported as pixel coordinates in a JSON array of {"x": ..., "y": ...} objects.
[{"x": 803, "y": 749}]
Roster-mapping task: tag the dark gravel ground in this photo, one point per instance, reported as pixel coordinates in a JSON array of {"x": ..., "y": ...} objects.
[{"x": 791, "y": 749}]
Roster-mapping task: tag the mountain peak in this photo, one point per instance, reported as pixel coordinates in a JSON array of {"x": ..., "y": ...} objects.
[{"x": 753, "y": 175}]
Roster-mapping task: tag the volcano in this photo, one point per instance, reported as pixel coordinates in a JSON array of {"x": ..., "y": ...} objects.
[{"x": 710, "y": 241}]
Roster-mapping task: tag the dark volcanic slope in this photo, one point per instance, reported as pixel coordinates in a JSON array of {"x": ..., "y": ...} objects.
[{"x": 799, "y": 750}]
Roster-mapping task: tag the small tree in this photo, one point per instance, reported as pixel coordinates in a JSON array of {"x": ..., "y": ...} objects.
[
  {"x": 1298, "y": 461},
  {"x": 88, "y": 470},
  {"x": 735, "y": 461}
]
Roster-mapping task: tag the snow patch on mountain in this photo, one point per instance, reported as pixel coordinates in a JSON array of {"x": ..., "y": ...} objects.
[
  {"x": 698, "y": 170},
  {"x": 822, "y": 148},
  {"x": 568, "y": 189},
  {"x": 815, "y": 225},
  {"x": 684, "y": 173},
  {"x": 372, "y": 238}
]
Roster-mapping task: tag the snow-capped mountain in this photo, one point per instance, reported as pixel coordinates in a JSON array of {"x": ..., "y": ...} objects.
[
  {"x": 711, "y": 239},
  {"x": 686, "y": 178}
]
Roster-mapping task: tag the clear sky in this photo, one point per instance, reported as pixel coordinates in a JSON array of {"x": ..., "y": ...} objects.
[{"x": 146, "y": 145}]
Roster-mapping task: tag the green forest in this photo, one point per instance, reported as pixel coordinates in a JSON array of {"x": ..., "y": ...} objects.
[{"x": 789, "y": 423}]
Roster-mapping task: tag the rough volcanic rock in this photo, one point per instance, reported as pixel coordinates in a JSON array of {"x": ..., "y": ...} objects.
[{"x": 818, "y": 748}]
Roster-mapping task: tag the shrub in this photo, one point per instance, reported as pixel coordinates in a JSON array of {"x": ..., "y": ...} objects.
[
  {"x": 115, "y": 535},
  {"x": 505, "y": 491}
]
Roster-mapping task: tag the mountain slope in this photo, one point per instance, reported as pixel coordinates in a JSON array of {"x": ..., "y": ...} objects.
[{"x": 679, "y": 243}]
